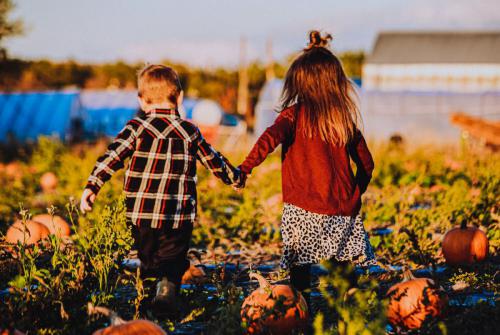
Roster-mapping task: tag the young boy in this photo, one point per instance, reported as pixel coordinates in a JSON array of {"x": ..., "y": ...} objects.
[{"x": 160, "y": 181}]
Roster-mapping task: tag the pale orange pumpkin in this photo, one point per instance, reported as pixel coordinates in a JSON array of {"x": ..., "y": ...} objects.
[
  {"x": 30, "y": 232},
  {"x": 55, "y": 224},
  {"x": 465, "y": 245},
  {"x": 13, "y": 170},
  {"x": 121, "y": 327},
  {"x": 194, "y": 275},
  {"x": 277, "y": 309},
  {"x": 413, "y": 301},
  {"x": 48, "y": 182}
]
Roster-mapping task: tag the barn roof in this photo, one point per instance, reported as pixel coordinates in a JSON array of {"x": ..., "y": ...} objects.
[{"x": 436, "y": 47}]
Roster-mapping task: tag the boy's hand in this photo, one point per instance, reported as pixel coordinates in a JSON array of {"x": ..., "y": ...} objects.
[
  {"x": 88, "y": 198},
  {"x": 242, "y": 181}
]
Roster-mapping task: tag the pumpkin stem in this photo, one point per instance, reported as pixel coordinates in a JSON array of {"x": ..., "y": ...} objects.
[
  {"x": 463, "y": 225},
  {"x": 114, "y": 318},
  {"x": 263, "y": 283},
  {"x": 408, "y": 275}
]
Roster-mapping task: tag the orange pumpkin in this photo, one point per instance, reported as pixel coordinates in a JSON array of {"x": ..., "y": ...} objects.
[
  {"x": 413, "y": 301},
  {"x": 29, "y": 233},
  {"x": 465, "y": 245},
  {"x": 277, "y": 309},
  {"x": 13, "y": 170},
  {"x": 193, "y": 275},
  {"x": 122, "y": 327},
  {"x": 10, "y": 332},
  {"x": 48, "y": 182},
  {"x": 55, "y": 224}
]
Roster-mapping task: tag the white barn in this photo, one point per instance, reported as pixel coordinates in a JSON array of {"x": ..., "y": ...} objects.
[{"x": 434, "y": 61}]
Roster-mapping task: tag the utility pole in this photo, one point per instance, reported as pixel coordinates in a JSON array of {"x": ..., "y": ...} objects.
[
  {"x": 242, "y": 103},
  {"x": 270, "y": 61}
]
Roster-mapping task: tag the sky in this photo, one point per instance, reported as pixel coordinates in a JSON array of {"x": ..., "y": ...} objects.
[{"x": 208, "y": 32}]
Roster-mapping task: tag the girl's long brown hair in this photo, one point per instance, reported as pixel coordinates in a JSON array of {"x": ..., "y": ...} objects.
[{"x": 316, "y": 81}]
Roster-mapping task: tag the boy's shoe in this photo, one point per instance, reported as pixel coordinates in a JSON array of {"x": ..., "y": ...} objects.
[
  {"x": 165, "y": 292},
  {"x": 132, "y": 260}
]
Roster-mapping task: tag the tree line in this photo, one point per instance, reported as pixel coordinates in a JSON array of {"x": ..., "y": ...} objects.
[{"x": 220, "y": 84}]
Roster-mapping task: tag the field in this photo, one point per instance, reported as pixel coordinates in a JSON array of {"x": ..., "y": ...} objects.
[{"x": 417, "y": 194}]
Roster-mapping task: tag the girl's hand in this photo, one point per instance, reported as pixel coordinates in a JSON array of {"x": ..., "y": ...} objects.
[{"x": 87, "y": 200}]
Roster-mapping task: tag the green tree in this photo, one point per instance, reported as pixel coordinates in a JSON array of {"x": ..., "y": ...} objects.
[
  {"x": 353, "y": 62},
  {"x": 7, "y": 27}
]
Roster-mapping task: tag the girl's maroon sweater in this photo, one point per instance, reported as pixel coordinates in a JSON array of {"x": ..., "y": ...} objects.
[{"x": 317, "y": 175}]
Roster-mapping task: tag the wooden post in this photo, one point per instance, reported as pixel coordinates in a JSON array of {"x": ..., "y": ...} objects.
[
  {"x": 270, "y": 62},
  {"x": 242, "y": 103}
]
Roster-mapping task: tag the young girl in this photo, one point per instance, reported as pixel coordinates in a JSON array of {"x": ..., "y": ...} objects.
[{"x": 318, "y": 130}]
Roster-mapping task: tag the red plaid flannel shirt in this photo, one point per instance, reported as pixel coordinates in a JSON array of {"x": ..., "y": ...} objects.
[{"x": 160, "y": 181}]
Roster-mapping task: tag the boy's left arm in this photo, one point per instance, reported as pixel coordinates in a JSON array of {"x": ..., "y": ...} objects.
[{"x": 217, "y": 163}]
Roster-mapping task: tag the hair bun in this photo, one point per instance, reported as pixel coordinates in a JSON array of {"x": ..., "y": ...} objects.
[{"x": 318, "y": 41}]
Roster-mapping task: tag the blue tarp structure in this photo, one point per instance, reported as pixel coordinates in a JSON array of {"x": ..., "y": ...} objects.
[
  {"x": 107, "y": 112},
  {"x": 86, "y": 114},
  {"x": 25, "y": 116}
]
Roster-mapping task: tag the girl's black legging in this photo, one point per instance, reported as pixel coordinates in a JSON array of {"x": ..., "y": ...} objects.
[{"x": 300, "y": 274}]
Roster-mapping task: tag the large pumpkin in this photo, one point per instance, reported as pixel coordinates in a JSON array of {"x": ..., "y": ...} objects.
[
  {"x": 48, "y": 182},
  {"x": 30, "y": 232},
  {"x": 413, "y": 301},
  {"x": 277, "y": 309},
  {"x": 55, "y": 224},
  {"x": 10, "y": 332},
  {"x": 194, "y": 275},
  {"x": 465, "y": 245},
  {"x": 121, "y": 327}
]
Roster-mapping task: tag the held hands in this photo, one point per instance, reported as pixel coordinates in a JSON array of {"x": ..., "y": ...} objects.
[
  {"x": 240, "y": 184},
  {"x": 87, "y": 200}
]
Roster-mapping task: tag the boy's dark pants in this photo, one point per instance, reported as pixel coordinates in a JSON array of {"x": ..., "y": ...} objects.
[{"x": 163, "y": 252}]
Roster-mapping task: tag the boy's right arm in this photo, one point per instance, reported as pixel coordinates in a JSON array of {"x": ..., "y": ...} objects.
[
  {"x": 216, "y": 162},
  {"x": 122, "y": 147}
]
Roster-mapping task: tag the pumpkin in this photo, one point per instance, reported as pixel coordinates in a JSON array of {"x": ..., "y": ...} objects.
[
  {"x": 277, "y": 309},
  {"x": 55, "y": 224},
  {"x": 193, "y": 275},
  {"x": 10, "y": 332},
  {"x": 48, "y": 182},
  {"x": 30, "y": 232},
  {"x": 13, "y": 170},
  {"x": 121, "y": 327},
  {"x": 465, "y": 245},
  {"x": 414, "y": 300}
]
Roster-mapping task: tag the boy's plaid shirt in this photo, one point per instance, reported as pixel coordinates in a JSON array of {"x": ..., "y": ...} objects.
[{"x": 160, "y": 182}]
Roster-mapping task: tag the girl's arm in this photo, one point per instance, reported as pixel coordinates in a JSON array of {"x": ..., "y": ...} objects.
[
  {"x": 270, "y": 139},
  {"x": 362, "y": 157}
]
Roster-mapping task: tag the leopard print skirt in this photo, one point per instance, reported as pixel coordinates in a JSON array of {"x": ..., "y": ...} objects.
[{"x": 309, "y": 238}]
